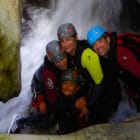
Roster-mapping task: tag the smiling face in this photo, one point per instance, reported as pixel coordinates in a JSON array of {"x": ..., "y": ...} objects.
[
  {"x": 69, "y": 88},
  {"x": 68, "y": 44},
  {"x": 62, "y": 64},
  {"x": 101, "y": 46}
]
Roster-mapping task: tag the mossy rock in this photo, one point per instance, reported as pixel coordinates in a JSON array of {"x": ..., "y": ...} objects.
[{"x": 10, "y": 79}]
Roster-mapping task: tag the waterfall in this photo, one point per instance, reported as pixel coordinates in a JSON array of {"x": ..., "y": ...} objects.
[
  {"x": 52, "y": 5},
  {"x": 43, "y": 28}
]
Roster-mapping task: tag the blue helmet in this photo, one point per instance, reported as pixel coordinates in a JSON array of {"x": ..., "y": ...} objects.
[{"x": 94, "y": 33}]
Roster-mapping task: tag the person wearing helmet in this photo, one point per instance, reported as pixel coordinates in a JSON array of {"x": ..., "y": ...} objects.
[
  {"x": 71, "y": 107},
  {"x": 89, "y": 65},
  {"x": 55, "y": 61},
  {"x": 82, "y": 57},
  {"x": 102, "y": 43},
  {"x": 79, "y": 52},
  {"x": 56, "y": 55},
  {"x": 119, "y": 57},
  {"x": 45, "y": 88},
  {"x": 97, "y": 32}
]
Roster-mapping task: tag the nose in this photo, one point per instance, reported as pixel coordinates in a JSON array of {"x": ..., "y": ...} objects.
[
  {"x": 95, "y": 46},
  {"x": 61, "y": 62},
  {"x": 64, "y": 44}
]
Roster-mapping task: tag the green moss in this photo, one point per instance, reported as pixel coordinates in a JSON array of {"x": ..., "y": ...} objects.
[
  {"x": 9, "y": 69},
  {"x": 2, "y": 44},
  {"x": 2, "y": 137}
]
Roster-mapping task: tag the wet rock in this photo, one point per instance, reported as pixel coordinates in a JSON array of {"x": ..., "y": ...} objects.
[
  {"x": 113, "y": 131},
  {"x": 10, "y": 80}
]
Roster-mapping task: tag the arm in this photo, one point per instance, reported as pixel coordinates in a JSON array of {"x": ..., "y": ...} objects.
[
  {"x": 38, "y": 93},
  {"x": 91, "y": 62},
  {"x": 81, "y": 105}
]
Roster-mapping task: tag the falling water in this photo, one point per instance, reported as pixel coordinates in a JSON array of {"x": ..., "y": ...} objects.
[{"x": 43, "y": 27}]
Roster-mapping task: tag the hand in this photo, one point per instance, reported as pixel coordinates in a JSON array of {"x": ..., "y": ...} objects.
[
  {"x": 80, "y": 103},
  {"x": 84, "y": 113},
  {"x": 42, "y": 107}
]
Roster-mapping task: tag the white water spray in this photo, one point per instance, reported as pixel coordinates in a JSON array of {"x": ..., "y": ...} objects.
[{"x": 83, "y": 14}]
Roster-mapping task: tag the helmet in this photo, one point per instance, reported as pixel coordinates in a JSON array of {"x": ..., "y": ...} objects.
[
  {"x": 54, "y": 53},
  {"x": 70, "y": 74},
  {"x": 94, "y": 34},
  {"x": 66, "y": 30}
]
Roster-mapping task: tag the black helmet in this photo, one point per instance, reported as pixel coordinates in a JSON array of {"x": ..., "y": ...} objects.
[
  {"x": 66, "y": 30},
  {"x": 54, "y": 52},
  {"x": 70, "y": 74}
]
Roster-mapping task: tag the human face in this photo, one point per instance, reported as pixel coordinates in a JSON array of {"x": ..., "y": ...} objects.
[
  {"x": 62, "y": 64},
  {"x": 69, "y": 44},
  {"x": 101, "y": 46},
  {"x": 69, "y": 88}
]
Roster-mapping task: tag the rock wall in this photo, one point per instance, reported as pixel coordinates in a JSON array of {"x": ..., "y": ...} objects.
[{"x": 10, "y": 79}]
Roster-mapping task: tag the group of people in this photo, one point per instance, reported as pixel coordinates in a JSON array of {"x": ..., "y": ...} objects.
[{"x": 78, "y": 84}]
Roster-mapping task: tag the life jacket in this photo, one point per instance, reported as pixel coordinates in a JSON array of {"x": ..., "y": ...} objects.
[
  {"x": 127, "y": 40},
  {"x": 130, "y": 41},
  {"x": 44, "y": 84}
]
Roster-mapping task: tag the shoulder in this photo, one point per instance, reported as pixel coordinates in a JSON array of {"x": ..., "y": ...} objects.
[
  {"x": 45, "y": 71},
  {"x": 81, "y": 46},
  {"x": 89, "y": 53},
  {"x": 124, "y": 54},
  {"x": 38, "y": 72},
  {"x": 83, "y": 42},
  {"x": 88, "y": 56}
]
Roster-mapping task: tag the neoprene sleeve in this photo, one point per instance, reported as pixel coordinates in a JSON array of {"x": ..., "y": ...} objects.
[{"x": 91, "y": 62}]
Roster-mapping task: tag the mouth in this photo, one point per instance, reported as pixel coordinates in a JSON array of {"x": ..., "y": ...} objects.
[
  {"x": 67, "y": 90},
  {"x": 100, "y": 50}
]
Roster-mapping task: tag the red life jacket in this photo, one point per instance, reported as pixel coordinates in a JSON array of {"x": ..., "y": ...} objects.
[
  {"x": 50, "y": 79},
  {"x": 128, "y": 53},
  {"x": 45, "y": 86},
  {"x": 130, "y": 41}
]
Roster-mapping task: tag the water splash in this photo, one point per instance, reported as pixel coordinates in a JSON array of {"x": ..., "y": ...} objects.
[{"x": 43, "y": 28}]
